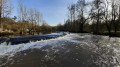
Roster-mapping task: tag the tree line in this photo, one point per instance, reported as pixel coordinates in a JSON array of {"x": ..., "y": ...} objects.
[
  {"x": 95, "y": 16},
  {"x": 31, "y": 15},
  {"x": 26, "y": 19}
]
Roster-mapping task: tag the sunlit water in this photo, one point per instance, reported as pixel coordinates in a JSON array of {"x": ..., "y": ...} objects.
[{"x": 72, "y": 50}]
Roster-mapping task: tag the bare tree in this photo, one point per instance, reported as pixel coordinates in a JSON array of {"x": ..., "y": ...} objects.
[
  {"x": 107, "y": 18},
  {"x": 97, "y": 13},
  {"x": 32, "y": 19},
  {"x": 23, "y": 16},
  {"x": 5, "y": 9},
  {"x": 72, "y": 9},
  {"x": 115, "y": 14},
  {"x": 38, "y": 19},
  {"x": 82, "y": 12}
]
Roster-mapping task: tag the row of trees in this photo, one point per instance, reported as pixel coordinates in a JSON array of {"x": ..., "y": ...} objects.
[
  {"x": 32, "y": 16},
  {"x": 88, "y": 16},
  {"x": 26, "y": 19}
]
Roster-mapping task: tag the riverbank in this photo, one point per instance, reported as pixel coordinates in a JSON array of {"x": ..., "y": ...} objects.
[
  {"x": 106, "y": 33},
  {"x": 6, "y": 34},
  {"x": 15, "y": 34},
  {"x": 112, "y": 34}
]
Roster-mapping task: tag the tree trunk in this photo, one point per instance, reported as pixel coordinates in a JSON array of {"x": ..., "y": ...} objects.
[
  {"x": 81, "y": 28},
  {"x": 109, "y": 29},
  {"x": 97, "y": 24}
]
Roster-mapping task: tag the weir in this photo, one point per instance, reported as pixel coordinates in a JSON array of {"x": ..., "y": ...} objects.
[{"x": 26, "y": 39}]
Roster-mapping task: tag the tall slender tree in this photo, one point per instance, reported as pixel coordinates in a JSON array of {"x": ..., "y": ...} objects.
[
  {"x": 22, "y": 15},
  {"x": 97, "y": 13},
  {"x": 107, "y": 18},
  {"x": 5, "y": 9},
  {"x": 71, "y": 10},
  {"x": 81, "y": 10}
]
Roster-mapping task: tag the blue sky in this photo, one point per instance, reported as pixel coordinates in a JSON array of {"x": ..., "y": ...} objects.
[{"x": 53, "y": 11}]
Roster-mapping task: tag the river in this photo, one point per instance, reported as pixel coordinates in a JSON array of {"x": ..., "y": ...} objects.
[{"x": 71, "y": 50}]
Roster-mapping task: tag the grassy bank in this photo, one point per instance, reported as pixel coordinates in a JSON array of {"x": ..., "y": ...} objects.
[{"x": 113, "y": 34}]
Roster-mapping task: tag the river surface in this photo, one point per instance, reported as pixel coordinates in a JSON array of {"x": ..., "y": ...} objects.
[{"x": 71, "y": 50}]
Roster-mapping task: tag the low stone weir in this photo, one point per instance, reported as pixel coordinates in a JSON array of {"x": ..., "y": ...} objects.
[{"x": 26, "y": 39}]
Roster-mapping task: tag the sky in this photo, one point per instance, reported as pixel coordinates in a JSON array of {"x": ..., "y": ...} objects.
[{"x": 53, "y": 11}]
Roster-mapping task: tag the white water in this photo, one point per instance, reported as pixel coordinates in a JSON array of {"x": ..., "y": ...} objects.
[
  {"x": 107, "y": 48},
  {"x": 12, "y": 49}
]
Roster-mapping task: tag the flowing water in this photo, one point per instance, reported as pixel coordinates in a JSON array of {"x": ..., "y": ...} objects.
[{"x": 71, "y": 50}]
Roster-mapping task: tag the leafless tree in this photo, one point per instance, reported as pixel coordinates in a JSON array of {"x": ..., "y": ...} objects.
[
  {"x": 115, "y": 14},
  {"x": 23, "y": 16},
  {"x": 5, "y": 9},
  {"x": 38, "y": 19},
  {"x": 82, "y": 12},
  {"x": 72, "y": 10},
  {"x": 32, "y": 18},
  {"x": 97, "y": 13},
  {"x": 107, "y": 17}
]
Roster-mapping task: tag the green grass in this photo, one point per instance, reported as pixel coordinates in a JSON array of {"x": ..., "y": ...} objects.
[{"x": 112, "y": 33}]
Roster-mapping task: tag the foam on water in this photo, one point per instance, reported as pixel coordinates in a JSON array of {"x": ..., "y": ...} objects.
[
  {"x": 107, "y": 48},
  {"x": 12, "y": 49}
]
